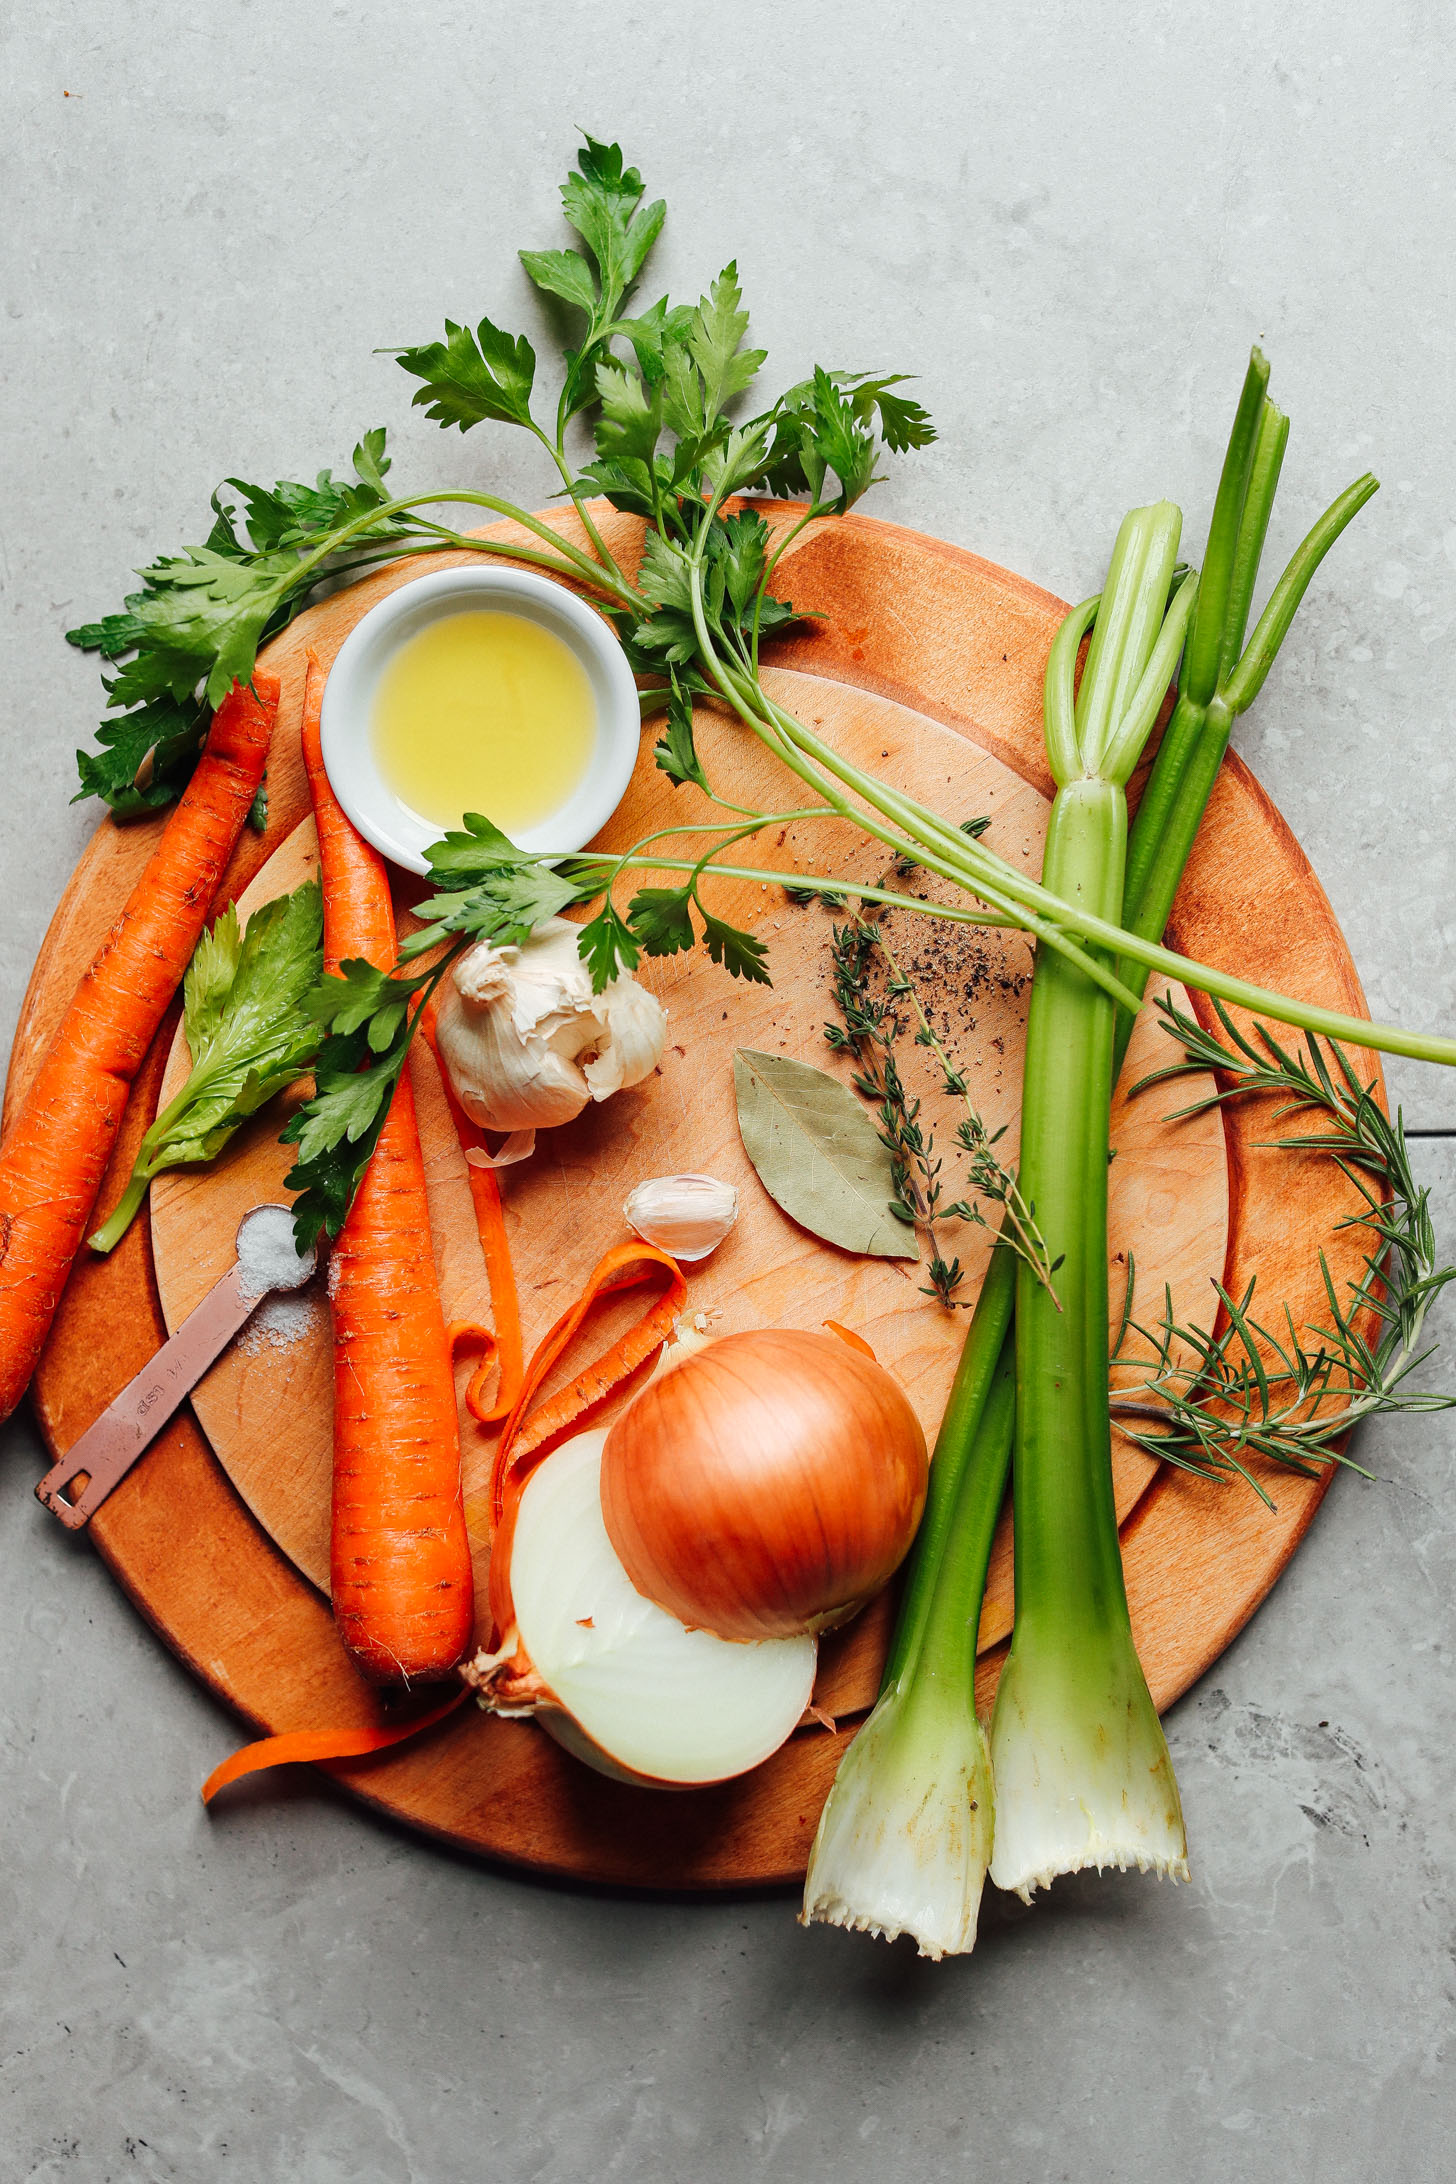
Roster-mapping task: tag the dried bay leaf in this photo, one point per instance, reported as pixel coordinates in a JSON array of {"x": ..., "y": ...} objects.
[{"x": 817, "y": 1154}]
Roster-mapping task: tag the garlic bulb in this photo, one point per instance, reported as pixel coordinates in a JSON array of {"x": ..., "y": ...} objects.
[
  {"x": 688, "y": 1215},
  {"x": 526, "y": 1041}
]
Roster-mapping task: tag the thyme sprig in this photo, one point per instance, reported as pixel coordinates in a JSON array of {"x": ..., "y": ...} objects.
[
  {"x": 1218, "y": 1401},
  {"x": 870, "y": 1025}
]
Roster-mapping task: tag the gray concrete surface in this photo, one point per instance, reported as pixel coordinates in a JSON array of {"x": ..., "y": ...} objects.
[{"x": 1071, "y": 220}]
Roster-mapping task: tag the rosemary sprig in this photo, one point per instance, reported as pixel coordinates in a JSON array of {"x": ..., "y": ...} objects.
[
  {"x": 1219, "y": 1401},
  {"x": 869, "y": 1027}
]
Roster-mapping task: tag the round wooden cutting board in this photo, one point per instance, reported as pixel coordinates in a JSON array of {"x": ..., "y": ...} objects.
[{"x": 927, "y": 667}]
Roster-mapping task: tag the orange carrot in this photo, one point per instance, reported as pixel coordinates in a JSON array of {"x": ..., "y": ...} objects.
[
  {"x": 400, "y": 1559},
  {"x": 320, "y": 1746},
  {"x": 56, "y": 1151},
  {"x": 491, "y": 1227},
  {"x": 529, "y": 1434}
]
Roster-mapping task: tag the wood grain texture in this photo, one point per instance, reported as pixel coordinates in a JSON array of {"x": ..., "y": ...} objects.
[{"x": 938, "y": 634}]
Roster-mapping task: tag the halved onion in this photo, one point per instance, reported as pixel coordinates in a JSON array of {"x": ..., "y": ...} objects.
[
  {"x": 768, "y": 1484},
  {"x": 622, "y": 1684}
]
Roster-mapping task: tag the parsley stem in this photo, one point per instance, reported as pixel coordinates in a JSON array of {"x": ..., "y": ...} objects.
[
  {"x": 604, "y": 555},
  {"x": 602, "y": 578},
  {"x": 758, "y": 820},
  {"x": 794, "y": 882},
  {"x": 770, "y": 564}
]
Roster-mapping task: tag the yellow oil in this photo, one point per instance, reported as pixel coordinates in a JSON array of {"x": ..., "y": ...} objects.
[{"x": 484, "y": 711}]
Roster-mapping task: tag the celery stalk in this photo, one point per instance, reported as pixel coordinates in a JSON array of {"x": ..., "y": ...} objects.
[
  {"x": 1082, "y": 1769},
  {"x": 905, "y": 1838},
  {"x": 1077, "y": 1705}
]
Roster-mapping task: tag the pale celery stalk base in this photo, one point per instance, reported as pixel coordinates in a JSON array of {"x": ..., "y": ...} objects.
[
  {"x": 905, "y": 1839},
  {"x": 1083, "y": 1776}
]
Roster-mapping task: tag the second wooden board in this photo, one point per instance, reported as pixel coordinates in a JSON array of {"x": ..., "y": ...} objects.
[{"x": 266, "y": 1408}]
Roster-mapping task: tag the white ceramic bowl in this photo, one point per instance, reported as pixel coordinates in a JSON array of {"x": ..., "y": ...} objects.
[{"x": 348, "y": 708}]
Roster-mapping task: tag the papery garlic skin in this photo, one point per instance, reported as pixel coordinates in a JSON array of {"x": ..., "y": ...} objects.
[
  {"x": 527, "y": 1043},
  {"x": 686, "y": 1215}
]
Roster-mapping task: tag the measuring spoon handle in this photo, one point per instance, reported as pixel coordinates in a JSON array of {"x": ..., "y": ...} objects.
[{"x": 130, "y": 1423}]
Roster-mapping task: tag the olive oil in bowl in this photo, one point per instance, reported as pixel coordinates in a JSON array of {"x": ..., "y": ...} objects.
[{"x": 486, "y": 711}]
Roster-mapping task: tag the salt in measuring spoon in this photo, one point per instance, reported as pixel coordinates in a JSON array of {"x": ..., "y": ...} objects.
[{"x": 266, "y": 1261}]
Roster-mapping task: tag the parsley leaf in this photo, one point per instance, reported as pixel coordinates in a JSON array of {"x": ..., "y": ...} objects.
[
  {"x": 478, "y": 846},
  {"x": 195, "y": 626},
  {"x": 202, "y": 619},
  {"x": 835, "y": 440},
  {"x": 677, "y": 752},
  {"x": 715, "y": 341},
  {"x": 563, "y": 273},
  {"x": 824, "y": 425},
  {"x": 740, "y": 954},
  {"x": 656, "y": 334},
  {"x": 602, "y": 200},
  {"x": 740, "y": 543},
  {"x": 606, "y": 945},
  {"x": 146, "y": 756},
  {"x": 345, "y": 1001},
  {"x": 471, "y": 377},
  {"x": 630, "y": 423},
  {"x": 504, "y": 907},
  {"x": 904, "y": 423},
  {"x": 367, "y": 1013},
  {"x": 626, "y": 484},
  {"x": 337, "y": 1131},
  {"x": 303, "y": 515},
  {"x": 665, "y": 579},
  {"x": 502, "y": 892},
  {"x": 661, "y": 919}
]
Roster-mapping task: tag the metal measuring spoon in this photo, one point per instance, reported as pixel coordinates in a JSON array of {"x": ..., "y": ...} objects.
[{"x": 266, "y": 1262}]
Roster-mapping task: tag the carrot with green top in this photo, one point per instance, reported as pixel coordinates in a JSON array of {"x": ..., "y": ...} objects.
[
  {"x": 400, "y": 1559},
  {"x": 56, "y": 1151}
]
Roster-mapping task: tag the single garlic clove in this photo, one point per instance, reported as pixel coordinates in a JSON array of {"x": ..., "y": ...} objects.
[{"x": 687, "y": 1215}]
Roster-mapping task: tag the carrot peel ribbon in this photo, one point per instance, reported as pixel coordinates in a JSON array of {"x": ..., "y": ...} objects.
[
  {"x": 321, "y": 1747},
  {"x": 847, "y": 1334},
  {"x": 491, "y": 1227},
  {"x": 529, "y": 1434},
  {"x": 470, "y": 1335}
]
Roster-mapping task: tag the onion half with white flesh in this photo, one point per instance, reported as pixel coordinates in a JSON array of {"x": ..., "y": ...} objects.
[{"x": 617, "y": 1680}]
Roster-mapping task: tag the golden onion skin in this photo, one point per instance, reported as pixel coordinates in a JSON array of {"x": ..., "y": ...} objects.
[{"x": 768, "y": 1485}]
